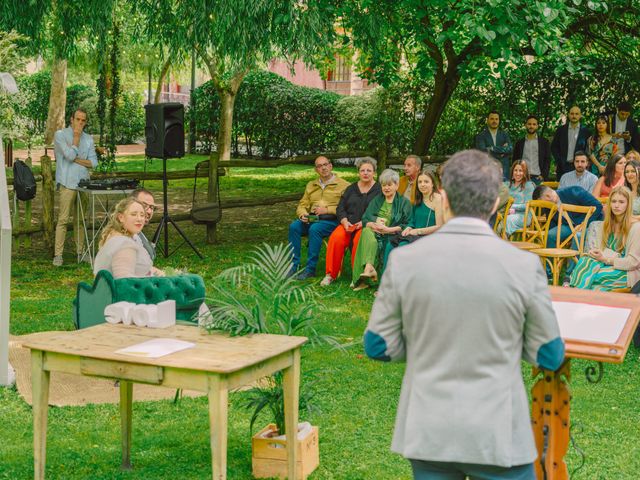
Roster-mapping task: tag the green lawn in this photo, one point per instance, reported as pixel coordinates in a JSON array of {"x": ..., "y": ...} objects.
[{"x": 357, "y": 397}]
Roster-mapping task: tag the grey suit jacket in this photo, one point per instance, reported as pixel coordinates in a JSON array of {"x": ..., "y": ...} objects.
[
  {"x": 463, "y": 307},
  {"x": 146, "y": 243}
]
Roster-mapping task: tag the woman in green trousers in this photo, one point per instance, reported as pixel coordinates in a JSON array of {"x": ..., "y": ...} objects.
[{"x": 387, "y": 215}]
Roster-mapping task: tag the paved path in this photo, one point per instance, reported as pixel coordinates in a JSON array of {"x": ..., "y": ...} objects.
[{"x": 36, "y": 153}]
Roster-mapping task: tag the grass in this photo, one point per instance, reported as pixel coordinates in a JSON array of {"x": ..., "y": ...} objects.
[{"x": 357, "y": 397}]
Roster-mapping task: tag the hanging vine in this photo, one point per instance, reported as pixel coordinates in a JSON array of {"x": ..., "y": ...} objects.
[{"x": 115, "y": 91}]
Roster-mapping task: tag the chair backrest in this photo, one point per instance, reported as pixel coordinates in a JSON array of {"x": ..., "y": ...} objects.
[
  {"x": 538, "y": 215},
  {"x": 500, "y": 226},
  {"x": 578, "y": 230},
  {"x": 553, "y": 185},
  {"x": 603, "y": 200}
]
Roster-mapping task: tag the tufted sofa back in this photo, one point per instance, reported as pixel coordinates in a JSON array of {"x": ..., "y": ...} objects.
[{"x": 187, "y": 290}]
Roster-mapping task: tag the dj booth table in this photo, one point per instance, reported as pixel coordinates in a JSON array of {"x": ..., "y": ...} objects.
[{"x": 98, "y": 210}]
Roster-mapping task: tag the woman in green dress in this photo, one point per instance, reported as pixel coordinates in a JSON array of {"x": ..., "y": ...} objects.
[
  {"x": 387, "y": 214},
  {"x": 615, "y": 262},
  {"x": 427, "y": 214},
  {"x": 601, "y": 146}
]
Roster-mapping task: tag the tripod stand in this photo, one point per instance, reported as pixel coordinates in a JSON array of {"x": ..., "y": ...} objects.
[{"x": 166, "y": 218}]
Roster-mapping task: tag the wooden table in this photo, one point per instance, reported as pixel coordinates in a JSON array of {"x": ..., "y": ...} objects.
[
  {"x": 551, "y": 396},
  {"x": 216, "y": 364}
]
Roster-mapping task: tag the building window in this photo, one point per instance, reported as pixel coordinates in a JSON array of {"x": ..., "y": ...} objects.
[{"x": 342, "y": 71}]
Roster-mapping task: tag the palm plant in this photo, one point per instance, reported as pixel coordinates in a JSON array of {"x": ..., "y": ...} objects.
[{"x": 259, "y": 297}]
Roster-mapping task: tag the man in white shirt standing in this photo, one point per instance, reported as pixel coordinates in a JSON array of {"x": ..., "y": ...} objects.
[
  {"x": 568, "y": 139},
  {"x": 75, "y": 155},
  {"x": 535, "y": 150},
  {"x": 580, "y": 177}
]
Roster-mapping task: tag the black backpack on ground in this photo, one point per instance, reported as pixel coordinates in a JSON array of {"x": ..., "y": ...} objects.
[{"x": 24, "y": 183}]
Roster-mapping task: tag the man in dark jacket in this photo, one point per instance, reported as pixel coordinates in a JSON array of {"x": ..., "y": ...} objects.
[
  {"x": 569, "y": 138},
  {"x": 625, "y": 129},
  {"x": 535, "y": 150}
]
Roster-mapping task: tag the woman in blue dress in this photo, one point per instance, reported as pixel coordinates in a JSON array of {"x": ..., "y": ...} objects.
[
  {"x": 521, "y": 189},
  {"x": 426, "y": 215}
]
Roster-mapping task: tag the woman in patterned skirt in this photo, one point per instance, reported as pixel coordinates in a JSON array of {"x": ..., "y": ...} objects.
[{"x": 615, "y": 262}]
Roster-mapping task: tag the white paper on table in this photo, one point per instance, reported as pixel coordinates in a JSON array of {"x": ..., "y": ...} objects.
[
  {"x": 590, "y": 323},
  {"x": 158, "y": 347}
]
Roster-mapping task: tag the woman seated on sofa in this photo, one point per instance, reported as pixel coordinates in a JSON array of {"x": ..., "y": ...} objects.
[
  {"x": 427, "y": 215},
  {"x": 353, "y": 203},
  {"x": 386, "y": 215},
  {"x": 614, "y": 263},
  {"x": 119, "y": 253}
]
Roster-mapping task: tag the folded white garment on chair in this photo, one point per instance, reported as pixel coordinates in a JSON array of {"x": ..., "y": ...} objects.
[
  {"x": 144, "y": 315},
  {"x": 118, "y": 312}
]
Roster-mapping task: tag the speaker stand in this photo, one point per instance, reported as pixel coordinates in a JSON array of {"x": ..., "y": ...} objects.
[{"x": 166, "y": 218}]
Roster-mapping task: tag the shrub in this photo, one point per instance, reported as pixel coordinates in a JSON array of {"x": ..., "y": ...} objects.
[{"x": 130, "y": 118}]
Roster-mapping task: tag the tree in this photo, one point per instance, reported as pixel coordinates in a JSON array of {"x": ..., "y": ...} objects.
[
  {"x": 442, "y": 41},
  {"x": 55, "y": 28},
  {"x": 233, "y": 38}
]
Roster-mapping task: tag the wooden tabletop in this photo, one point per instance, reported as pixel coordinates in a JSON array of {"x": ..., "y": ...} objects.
[{"x": 215, "y": 352}]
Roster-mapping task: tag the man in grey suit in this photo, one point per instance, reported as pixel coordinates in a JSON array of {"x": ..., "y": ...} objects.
[
  {"x": 463, "y": 307},
  {"x": 145, "y": 197}
]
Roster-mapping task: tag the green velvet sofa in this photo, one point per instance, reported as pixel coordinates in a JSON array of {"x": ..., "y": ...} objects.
[{"x": 187, "y": 290}]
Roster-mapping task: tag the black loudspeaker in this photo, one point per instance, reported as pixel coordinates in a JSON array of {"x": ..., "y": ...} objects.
[{"x": 164, "y": 130}]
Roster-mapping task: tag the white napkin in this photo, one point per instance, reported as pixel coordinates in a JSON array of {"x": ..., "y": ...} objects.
[
  {"x": 165, "y": 315},
  {"x": 143, "y": 315},
  {"x": 117, "y": 312}
]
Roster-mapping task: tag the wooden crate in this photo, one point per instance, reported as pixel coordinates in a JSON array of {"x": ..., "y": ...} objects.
[{"x": 269, "y": 456}]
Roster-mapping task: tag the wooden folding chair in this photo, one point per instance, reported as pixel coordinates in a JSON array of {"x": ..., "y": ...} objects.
[
  {"x": 537, "y": 219},
  {"x": 553, "y": 185},
  {"x": 500, "y": 227},
  {"x": 555, "y": 257}
]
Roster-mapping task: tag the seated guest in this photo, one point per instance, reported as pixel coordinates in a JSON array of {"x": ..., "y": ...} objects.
[
  {"x": 353, "y": 203},
  {"x": 387, "y": 214},
  {"x": 570, "y": 196},
  {"x": 581, "y": 176},
  {"x": 119, "y": 253},
  {"x": 613, "y": 176},
  {"x": 615, "y": 263},
  {"x": 521, "y": 189},
  {"x": 316, "y": 216},
  {"x": 633, "y": 155},
  {"x": 631, "y": 180},
  {"x": 145, "y": 197},
  {"x": 407, "y": 185},
  {"x": 427, "y": 214}
]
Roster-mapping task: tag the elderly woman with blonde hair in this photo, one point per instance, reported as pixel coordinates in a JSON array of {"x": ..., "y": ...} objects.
[
  {"x": 388, "y": 214},
  {"x": 119, "y": 253}
]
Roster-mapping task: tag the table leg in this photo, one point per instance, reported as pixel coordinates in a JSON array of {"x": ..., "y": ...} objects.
[
  {"x": 218, "y": 403},
  {"x": 40, "y": 386},
  {"x": 126, "y": 404},
  {"x": 550, "y": 408},
  {"x": 291, "y": 386}
]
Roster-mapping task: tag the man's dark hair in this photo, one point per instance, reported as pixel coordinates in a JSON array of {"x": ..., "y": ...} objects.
[
  {"x": 471, "y": 180},
  {"x": 532, "y": 116},
  {"x": 580, "y": 153},
  {"x": 539, "y": 191},
  {"x": 625, "y": 106},
  {"x": 82, "y": 110},
  {"x": 493, "y": 112},
  {"x": 136, "y": 193}
]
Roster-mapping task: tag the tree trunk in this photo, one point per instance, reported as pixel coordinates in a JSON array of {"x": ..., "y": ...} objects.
[
  {"x": 48, "y": 189},
  {"x": 163, "y": 75},
  {"x": 227, "y": 102},
  {"x": 57, "y": 99},
  {"x": 445, "y": 85}
]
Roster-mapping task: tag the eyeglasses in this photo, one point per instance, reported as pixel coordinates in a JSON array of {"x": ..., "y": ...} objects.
[
  {"x": 147, "y": 206},
  {"x": 322, "y": 165}
]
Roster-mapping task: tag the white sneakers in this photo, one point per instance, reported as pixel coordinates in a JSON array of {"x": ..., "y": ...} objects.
[
  {"x": 57, "y": 261},
  {"x": 327, "y": 280}
]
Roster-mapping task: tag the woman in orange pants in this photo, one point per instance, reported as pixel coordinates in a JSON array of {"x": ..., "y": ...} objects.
[{"x": 352, "y": 205}]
